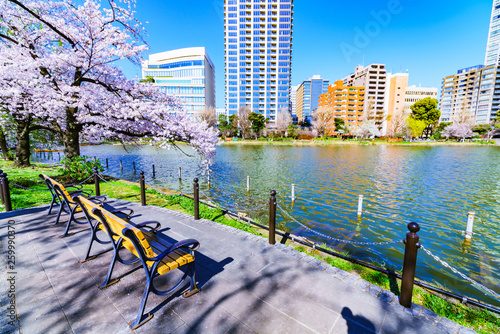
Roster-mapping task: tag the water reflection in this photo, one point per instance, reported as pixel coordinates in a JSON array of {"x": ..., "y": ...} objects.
[{"x": 434, "y": 186}]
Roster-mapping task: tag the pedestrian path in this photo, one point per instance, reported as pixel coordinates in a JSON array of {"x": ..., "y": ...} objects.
[{"x": 248, "y": 286}]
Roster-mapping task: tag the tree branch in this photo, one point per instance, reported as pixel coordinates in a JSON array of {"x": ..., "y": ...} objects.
[{"x": 35, "y": 15}]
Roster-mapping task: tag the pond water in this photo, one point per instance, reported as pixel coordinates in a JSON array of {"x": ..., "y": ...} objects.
[{"x": 433, "y": 186}]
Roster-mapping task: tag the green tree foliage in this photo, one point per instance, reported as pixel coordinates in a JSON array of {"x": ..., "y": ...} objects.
[
  {"x": 416, "y": 127},
  {"x": 258, "y": 122},
  {"x": 148, "y": 79},
  {"x": 339, "y": 124},
  {"x": 481, "y": 128},
  {"x": 225, "y": 125},
  {"x": 426, "y": 110}
]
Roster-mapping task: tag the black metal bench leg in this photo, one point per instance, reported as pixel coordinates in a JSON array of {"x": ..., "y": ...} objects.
[
  {"x": 107, "y": 282},
  {"x": 91, "y": 241},
  {"x": 141, "y": 319},
  {"x": 54, "y": 201},
  {"x": 58, "y": 215},
  {"x": 193, "y": 289},
  {"x": 71, "y": 216}
]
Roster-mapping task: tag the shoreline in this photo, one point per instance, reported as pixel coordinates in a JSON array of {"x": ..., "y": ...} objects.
[{"x": 341, "y": 143}]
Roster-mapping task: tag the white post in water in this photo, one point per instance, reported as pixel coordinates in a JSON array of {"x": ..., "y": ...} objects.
[
  {"x": 248, "y": 183},
  {"x": 293, "y": 192},
  {"x": 360, "y": 205},
  {"x": 180, "y": 174},
  {"x": 470, "y": 225}
]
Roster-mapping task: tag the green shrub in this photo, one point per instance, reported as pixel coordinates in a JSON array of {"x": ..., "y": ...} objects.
[{"x": 79, "y": 168}]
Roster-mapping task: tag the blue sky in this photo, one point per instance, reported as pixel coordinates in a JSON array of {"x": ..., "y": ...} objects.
[{"x": 430, "y": 39}]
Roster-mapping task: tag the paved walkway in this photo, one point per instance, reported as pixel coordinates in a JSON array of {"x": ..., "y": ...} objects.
[{"x": 247, "y": 286}]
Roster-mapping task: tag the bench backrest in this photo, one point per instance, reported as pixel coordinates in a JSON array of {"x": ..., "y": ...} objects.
[
  {"x": 58, "y": 188},
  {"x": 87, "y": 207},
  {"x": 116, "y": 227}
]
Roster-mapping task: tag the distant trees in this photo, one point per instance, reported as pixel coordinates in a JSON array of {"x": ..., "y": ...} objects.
[
  {"x": 368, "y": 129},
  {"x": 244, "y": 123},
  {"x": 321, "y": 119},
  {"x": 259, "y": 122},
  {"x": 415, "y": 128},
  {"x": 283, "y": 121},
  {"x": 426, "y": 110},
  {"x": 208, "y": 115}
]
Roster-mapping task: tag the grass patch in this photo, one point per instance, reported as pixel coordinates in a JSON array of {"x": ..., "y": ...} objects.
[{"x": 28, "y": 177}]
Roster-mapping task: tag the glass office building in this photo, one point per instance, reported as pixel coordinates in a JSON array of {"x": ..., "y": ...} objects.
[
  {"x": 258, "y": 55},
  {"x": 186, "y": 73},
  {"x": 307, "y": 97}
]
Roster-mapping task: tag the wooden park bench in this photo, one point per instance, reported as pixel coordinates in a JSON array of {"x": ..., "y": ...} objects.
[
  {"x": 66, "y": 202},
  {"x": 157, "y": 255},
  {"x": 78, "y": 190},
  {"x": 95, "y": 225}
]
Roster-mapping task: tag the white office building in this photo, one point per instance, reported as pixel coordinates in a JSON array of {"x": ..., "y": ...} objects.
[
  {"x": 415, "y": 94},
  {"x": 258, "y": 55},
  {"x": 186, "y": 73},
  {"x": 293, "y": 99},
  {"x": 492, "y": 56}
]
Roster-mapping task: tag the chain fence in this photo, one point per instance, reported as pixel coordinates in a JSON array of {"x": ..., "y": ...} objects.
[
  {"x": 260, "y": 207},
  {"x": 336, "y": 239},
  {"x": 25, "y": 188},
  {"x": 465, "y": 277},
  {"x": 328, "y": 205},
  {"x": 118, "y": 185},
  {"x": 44, "y": 190}
]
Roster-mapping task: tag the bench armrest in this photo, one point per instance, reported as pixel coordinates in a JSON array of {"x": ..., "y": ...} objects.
[
  {"x": 76, "y": 186},
  {"x": 145, "y": 225},
  {"x": 131, "y": 212},
  {"x": 184, "y": 243},
  {"x": 86, "y": 192},
  {"x": 100, "y": 199}
]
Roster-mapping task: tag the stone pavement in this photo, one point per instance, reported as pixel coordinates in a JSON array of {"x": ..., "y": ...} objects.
[{"x": 247, "y": 286}]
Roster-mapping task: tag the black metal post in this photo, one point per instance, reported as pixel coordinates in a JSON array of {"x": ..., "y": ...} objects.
[
  {"x": 133, "y": 164},
  {"x": 121, "y": 165},
  {"x": 107, "y": 165},
  {"x": 96, "y": 181},
  {"x": 1, "y": 187},
  {"x": 409, "y": 264},
  {"x": 6, "y": 192},
  {"x": 143, "y": 189},
  {"x": 196, "y": 197},
  {"x": 153, "y": 170},
  {"x": 272, "y": 218}
]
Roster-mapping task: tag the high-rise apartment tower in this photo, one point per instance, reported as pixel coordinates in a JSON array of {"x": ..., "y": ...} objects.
[
  {"x": 258, "y": 55},
  {"x": 493, "y": 46}
]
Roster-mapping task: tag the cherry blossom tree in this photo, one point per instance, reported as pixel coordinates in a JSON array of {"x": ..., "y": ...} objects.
[
  {"x": 66, "y": 53},
  {"x": 283, "y": 120}
]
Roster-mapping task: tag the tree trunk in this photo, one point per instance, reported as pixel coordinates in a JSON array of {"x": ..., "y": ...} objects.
[
  {"x": 4, "y": 147},
  {"x": 71, "y": 137},
  {"x": 23, "y": 143}
]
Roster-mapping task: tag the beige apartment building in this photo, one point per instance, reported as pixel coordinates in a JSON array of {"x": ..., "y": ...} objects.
[
  {"x": 396, "y": 91},
  {"x": 374, "y": 79},
  {"x": 471, "y": 90}
]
